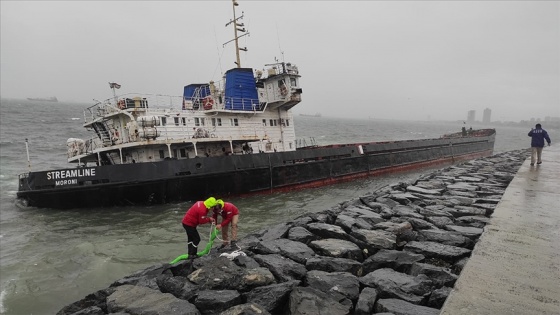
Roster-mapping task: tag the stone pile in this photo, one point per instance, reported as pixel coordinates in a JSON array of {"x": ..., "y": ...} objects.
[{"x": 398, "y": 250}]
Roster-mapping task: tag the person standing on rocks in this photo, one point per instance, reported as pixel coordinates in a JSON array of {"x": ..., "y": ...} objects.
[
  {"x": 199, "y": 213},
  {"x": 230, "y": 216},
  {"x": 538, "y": 136}
]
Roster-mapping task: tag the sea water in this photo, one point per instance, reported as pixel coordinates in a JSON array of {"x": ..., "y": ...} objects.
[{"x": 50, "y": 258}]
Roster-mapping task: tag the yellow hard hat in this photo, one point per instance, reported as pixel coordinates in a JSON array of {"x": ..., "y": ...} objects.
[
  {"x": 210, "y": 202},
  {"x": 220, "y": 202}
]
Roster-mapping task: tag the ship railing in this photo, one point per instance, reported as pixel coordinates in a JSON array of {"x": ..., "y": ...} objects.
[
  {"x": 131, "y": 102},
  {"x": 306, "y": 143}
]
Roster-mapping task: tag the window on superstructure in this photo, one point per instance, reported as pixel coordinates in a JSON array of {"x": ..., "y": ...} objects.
[
  {"x": 183, "y": 152},
  {"x": 274, "y": 122},
  {"x": 163, "y": 121},
  {"x": 184, "y": 121},
  {"x": 264, "y": 122},
  {"x": 216, "y": 122},
  {"x": 293, "y": 82},
  {"x": 197, "y": 121},
  {"x": 175, "y": 153},
  {"x": 176, "y": 120},
  {"x": 161, "y": 154},
  {"x": 287, "y": 122},
  {"x": 290, "y": 144},
  {"x": 234, "y": 121}
]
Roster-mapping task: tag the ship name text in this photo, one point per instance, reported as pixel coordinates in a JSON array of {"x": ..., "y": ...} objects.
[{"x": 71, "y": 174}]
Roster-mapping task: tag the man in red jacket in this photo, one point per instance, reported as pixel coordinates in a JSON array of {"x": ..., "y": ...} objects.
[
  {"x": 230, "y": 216},
  {"x": 199, "y": 213}
]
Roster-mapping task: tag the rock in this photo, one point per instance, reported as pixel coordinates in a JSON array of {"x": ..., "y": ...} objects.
[
  {"x": 470, "y": 232},
  {"x": 274, "y": 297},
  {"x": 245, "y": 309},
  {"x": 440, "y": 222},
  {"x": 333, "y": 264},
  {"x": 459, "y": 265},
  {"x": 180, "y": 287},
  {"x": 375, "y": 239},
  {"x": 394, "y": 259},
  {"x": 284, "y": 269},
  {"x": 301, "y": 234},
  {"x": 462, "y": 187},
  {"x": 215, "y": 301},
  {"x": 91, "y": 301},
  {"x": 406, "y": 211},
  {"x": 337, "y": 248},
  {"x": 431, "y": 249},
  {"x": 142, "y": 300},
  {"x": 324, "y": 231},
  {"x": 424, "y": 191},
  {"x": 310, "y": 301},
  {"x": 446, "y": 238},
  {"x": 366, "y": 301},
  {"x": 340, "y": 282},
  {"x": 399, "y": 307},
  {"x": 218, "y": 273},
  {"x": 296, "y": 251},
  {"x": 392, "y": 284},
  {"x": 347, "y": 223},
  {"x": 245, "y": 262},
  {"x": 275, "y": 232},
  {"x": 255, "y": 277},
  {"x": 438, "y": 297},
  {"x": 459, "y": 211},
  {"x": 440, "y": 276}
]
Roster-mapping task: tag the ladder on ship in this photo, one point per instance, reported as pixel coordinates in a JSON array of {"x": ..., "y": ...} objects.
[{"x": 103, "y": 130}]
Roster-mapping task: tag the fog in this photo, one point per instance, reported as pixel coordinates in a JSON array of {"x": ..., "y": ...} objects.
[{"x": 413, "y": 60}]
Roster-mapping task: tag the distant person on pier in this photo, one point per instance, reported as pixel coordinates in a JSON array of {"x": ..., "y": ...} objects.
[
  {"x": 230, "y": 216},
  {"x": 538, "y": 135},
  {"x": 199, "y": 213}
]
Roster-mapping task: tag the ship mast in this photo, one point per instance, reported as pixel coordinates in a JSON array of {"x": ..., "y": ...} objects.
[{"x": 237, "y": 27}]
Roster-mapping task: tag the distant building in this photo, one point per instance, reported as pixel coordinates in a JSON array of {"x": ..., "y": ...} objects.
[
  {"x": 470, "y": 116},
  {"x": 486, "y": 116}
]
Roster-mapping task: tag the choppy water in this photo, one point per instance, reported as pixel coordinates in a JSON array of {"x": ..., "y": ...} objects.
[{"x": 50, "y": 258}]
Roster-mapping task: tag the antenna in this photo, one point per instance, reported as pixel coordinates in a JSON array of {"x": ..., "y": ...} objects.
[
  {"x": 27, "y": 149},
  {"x": 279, "y": 48},
  {"x": 237, "y": 27}
]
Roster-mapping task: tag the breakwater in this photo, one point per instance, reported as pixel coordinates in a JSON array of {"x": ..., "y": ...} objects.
[{"x": 397, "y": 250}]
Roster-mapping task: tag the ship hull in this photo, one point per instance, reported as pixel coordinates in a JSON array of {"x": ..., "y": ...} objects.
[{"x": 198, "y": 178}]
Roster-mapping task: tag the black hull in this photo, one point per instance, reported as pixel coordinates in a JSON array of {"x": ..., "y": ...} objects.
[{"x": 194, "y": 179}]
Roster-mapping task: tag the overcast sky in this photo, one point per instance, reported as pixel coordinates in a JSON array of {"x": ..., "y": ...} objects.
[{"x": 381, "y": 59}]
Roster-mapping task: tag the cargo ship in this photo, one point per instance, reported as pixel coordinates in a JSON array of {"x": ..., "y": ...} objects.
[
  {"x": 42, "y": 99},
  {"x": 232, "y": 137}
]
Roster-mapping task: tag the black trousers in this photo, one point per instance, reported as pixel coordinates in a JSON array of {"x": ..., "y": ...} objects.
[{"x": 193, "y": 238}]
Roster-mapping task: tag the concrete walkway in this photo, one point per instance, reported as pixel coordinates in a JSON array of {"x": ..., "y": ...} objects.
[{"x": 515, "y": 266}]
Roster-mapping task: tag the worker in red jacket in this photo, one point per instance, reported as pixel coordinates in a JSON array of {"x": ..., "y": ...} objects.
[
  {"x": 199, "y": 213},
  {"x": 230, "y": 216}
]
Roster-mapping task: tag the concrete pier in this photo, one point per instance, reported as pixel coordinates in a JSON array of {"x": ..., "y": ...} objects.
[{"x": 515, "y": 266}]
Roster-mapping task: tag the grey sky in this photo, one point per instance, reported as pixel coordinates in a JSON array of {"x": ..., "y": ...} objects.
[{"x": 379, "y": 59}]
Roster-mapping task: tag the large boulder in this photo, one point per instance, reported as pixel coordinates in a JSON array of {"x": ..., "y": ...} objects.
[
  {"x": 340, "y": 282},
  {"x": 215, "y": 301},
  {"x": 400, "y": 307},
  {"x": 436, "y": 250},
  {"x": 272, "y": 297},
  {"x": 136, "y": 300},
  {"x": 392, "y": 284},
  {"x": 337, "y": 248},
  {"x": 310, "y": 301},
  {"x": 333, "y": 264},
  {"x": 283, "y": 269}
]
